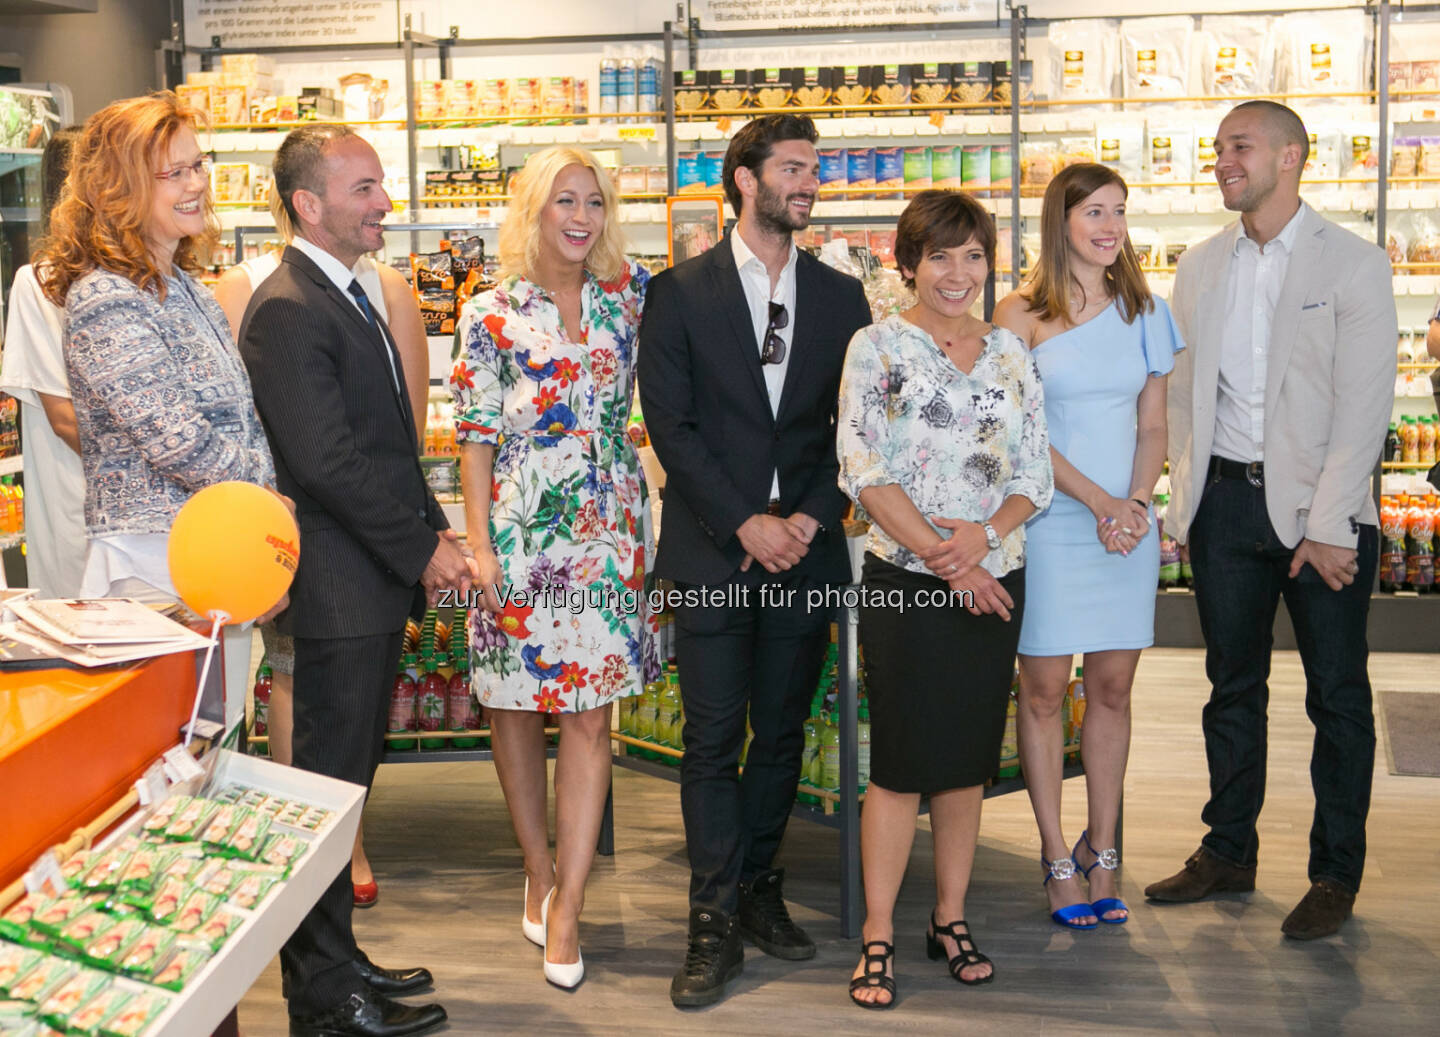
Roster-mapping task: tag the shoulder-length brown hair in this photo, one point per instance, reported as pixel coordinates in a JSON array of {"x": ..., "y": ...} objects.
[
  {"x": 104, "y": 208},
  {"x": 1047, "y": 289}
]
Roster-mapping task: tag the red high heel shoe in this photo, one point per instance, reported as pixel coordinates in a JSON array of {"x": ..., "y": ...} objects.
[{"x": 366, "y": 893}]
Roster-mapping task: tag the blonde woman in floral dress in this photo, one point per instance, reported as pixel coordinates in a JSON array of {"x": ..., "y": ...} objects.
[{"x": 556, "y": 514}]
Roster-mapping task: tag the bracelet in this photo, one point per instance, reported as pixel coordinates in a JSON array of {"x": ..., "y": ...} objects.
[{"x": 1143, "y": 504}]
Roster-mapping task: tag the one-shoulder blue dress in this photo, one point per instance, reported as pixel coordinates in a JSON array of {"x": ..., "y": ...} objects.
[{"x": 1078, "y": 596}]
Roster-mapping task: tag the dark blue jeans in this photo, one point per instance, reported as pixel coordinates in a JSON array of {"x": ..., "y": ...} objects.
[{"x": 1241, "y": 571}]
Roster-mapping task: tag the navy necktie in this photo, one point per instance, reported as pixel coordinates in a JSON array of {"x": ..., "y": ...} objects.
[{"x": 358, "y": 292}]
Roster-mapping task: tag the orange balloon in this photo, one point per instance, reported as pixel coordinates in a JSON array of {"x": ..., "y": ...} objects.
[{"x": 233, "y": 550}]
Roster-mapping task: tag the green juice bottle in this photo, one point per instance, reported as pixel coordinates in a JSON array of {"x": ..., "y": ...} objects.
[
  {"x": 830, "y": 755},
  {"x": 862, "y": 731},
  {"x": 1009, "y": 742},
  {"x": 647, "y": 717},
  {"x": 670, "y": 726},
  {"x": 810, "y": 755}
]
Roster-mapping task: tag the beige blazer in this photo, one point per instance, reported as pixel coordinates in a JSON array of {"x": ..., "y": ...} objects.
[{"x": 1329, "y": 381}]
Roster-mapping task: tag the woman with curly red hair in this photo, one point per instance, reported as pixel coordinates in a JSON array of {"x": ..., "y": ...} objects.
[
  {"x": 555, "y": 510},
  {"x": 162, "y": 401}
]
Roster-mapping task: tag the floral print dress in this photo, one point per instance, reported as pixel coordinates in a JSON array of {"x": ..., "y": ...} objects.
[
  {"x": 569, "y": 520},
  {"x": 958, "y": 444}
]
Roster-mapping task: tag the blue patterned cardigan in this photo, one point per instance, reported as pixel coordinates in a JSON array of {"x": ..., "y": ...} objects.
[{"x": 162, "y": 401}]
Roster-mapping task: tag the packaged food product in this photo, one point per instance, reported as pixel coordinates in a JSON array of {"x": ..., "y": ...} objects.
[
  {"x": 1324, "y": 51},
  {"x": 810, "y": 87},
  {"x": 1429, "y": 162},
  {"x": 106, "y": 868},
  {"x": 1399, "y": 78},
  {"x": 892, "y": 86},
  {"x": 55, "y": 1009},
  {"x": 1204, "y": 157},
  {"x": 691, "y": 91},
  {"x": 1236, "y": 55},
  {"x": 1040, "y": 161},
  {"x": 1002, "y": 163},
  {"x": 250, "y": 890},
  {"x": 946, "y": 167},
  {"x": 930, "y": 84},
  {"x": 889, "y": 172},
  {"x": 860, "y": 170},
  {"x": 468, "y": 254},
  {"x": 1424, "y": 250},
  {"x": 194, "y": 910},
  {"x": 1147, "y": 245},
  {"x": 1323, "y": 162},
  {"x": 972, "y": 83},
  {"x": 1405, "y": 159},
  {"x": 74, "y": 867},
  {"x": 80, "y": 930},
  {"x": 1002, "y": 77},
  {"x": 147, "y": 952},
  {"x": 191, "y": 820},
  {"x": 918, "y": 168},
  {"x": 46, "y": 977},
  {"x": 230, "y": 105},
  {"x": 437, "y": 313},
  {"x": 285, "y": 850},
  {"x": 526, "y": 98},
  {"x": 1361, "y": 154},
  {"x": 159, "y": 819},
  {"x": 1156, "y": 56},
  {"x": 834, "y": 172},
  {"x": 430, "y": 99},
  {"x": 224, "y": 819},
  {"x": 850, "y": 86},
  {"x": 1083, "y": 59},
  {"x": 689, "y": 173},
  {"x": 430, "y": 271},
  {"x": 15, "y": 962},
  {"x": 85, "y": 1020},
  {"x": 15, "y": 922},
  {"x": 105, "y": 949},
  {"x": 557, "y": 101},
  {"x": 1425, "y": 78},
  {"x": 1168, "y": 152},
  {"x": 136, "y": 1016},
  {"x": 1121, "y": 146},
  {"x": 712, "y": 164},
  {"x": 772, "y": 87},
  {"x": 197, "y": 97},
  {"x": 248, "y": 834},
  {"x": 56, "y": 914},
  {"x": 180, "y": 966},
  {"x": 167, "y": 900},
  {"x": 217, "y": 881},
  {"x": 217, "y": 929},
  {"x": 730, "y": 89}
]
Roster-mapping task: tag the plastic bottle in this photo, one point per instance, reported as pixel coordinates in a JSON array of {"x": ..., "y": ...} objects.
[
  {"x": 1393, "y": 530},
  {"x": 830, "y": 755},
  {"x": 669, "y": 730},
  {"x": 430, "y": 695},
  {"x": 462, "y": 712},
  {"x": 402, "y": 706},
  {"x": 627, "y": 87},
  {"x": 862, "y": 731},
  {"x": 6, "y": 498},
  {"x": 1420, "y": 562},
  {"x": 1169, "y": 549},
  {"x": 745, "y": 745},
  {"x": 1077, "y": 698},
  {"x": 1427, "y": 441},
  {"x": 647, "y": 719},
  {"x": 609, "y": 83},
  {"x": 1409, "y": 433},
  {"x": 1392, "y": 444},
  {"x": 811, "y": 753},
  {"x": 647, "y": 87},
  {"x": 17, "y": 509},
  {"x": 1067, "y": 722},
  {"x": 262, "y": 698}
]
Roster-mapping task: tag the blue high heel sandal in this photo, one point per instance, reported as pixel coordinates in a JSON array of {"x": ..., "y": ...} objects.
[
  {"x": 1106, "y": 860},
  {"x": 1060, "y": 869}
]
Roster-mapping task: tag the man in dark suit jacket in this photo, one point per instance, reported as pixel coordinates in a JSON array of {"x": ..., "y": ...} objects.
[
  {"x": 330, "y": 390},
  {"x": 739, "y": 370}
]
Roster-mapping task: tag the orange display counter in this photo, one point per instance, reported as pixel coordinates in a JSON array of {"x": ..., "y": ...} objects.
[{"x": 72, "y": 742}]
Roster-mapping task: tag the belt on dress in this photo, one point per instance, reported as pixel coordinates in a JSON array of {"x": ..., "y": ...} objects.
[{"x": 1252, "y": 472}]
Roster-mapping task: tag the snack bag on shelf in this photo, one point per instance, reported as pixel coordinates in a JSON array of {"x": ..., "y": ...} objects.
[
  {"x": 690, "y": 91},
  {"x": 1083, "y": 59},
  {"x": 889, "y": 172},
  {"x": 85, "y": 1021},
  {"x": 833, "y": 170},
  {"x": 136, "y": 1016},
  {"x": 143, "y": 957},
  {"x": 1003, "y": 77},
  {"x": 930, "y": 84},
  {"x": 1358, "y": 155},
  {"x": 1168, "y": 152},
  {"x": 191, "y": 820},
  {"x": 972, "y": 83},
  {"x": 180, "y": 966},
  {"x": 462, "y": 99},
  {"x": 15, "y": 962},
  {"x": 773, "y": 87},
  {"x": 251, "y": 889},
  {"x": 860, "y": 170},
  {"x": 1156, "y": 56},
  {"x": 55, "y": 1009},
  {"x": 1424, "y": 251},
  {"x": 850, "y": 86},
  {"x": 1040, "y": 162},
  {"x": 1324, "y": 160},
  {"x": 1236, "y": 55},
  {"x": 1405, "y": 159},
  {"x": 1121, "y": 146},
  {"x": 41, "y": 981},
  {"x": 1323, "y": 51},
  {"x": 55, "y": 915},
  {"x": 973, "y": 172},
  {"x": 430, "y": 99},
  {"x": 105, "y": 949}
]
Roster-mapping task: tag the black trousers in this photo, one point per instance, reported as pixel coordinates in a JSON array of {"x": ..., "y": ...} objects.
[
  {"x": 759, "y": 651},
  {"x": 1241, "y": 572},
  {"x": 342, "y": 698}
]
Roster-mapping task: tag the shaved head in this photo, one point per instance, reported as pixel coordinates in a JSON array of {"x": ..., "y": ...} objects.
[{"x": 1282, "y": 125}]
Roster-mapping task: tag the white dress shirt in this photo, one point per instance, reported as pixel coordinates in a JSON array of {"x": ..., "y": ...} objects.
[
  {"x": 755, "y": 279},
  {"x": 1255, "y": 278},
  {"x": 341, "y": 276}
]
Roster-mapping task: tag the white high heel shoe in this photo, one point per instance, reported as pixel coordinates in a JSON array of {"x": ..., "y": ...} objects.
[
  {"x": 534, "y": 931},
  {"x": 565, "y": 976}
]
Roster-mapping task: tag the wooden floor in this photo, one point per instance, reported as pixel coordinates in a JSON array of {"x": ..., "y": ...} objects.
[{"x": 451, "y": 887}]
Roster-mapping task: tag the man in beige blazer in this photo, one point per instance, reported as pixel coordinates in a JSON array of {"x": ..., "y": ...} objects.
[{"x": 1277, "y": 414}]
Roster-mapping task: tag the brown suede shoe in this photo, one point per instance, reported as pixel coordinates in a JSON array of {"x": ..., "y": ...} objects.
[
  {"x": 1320, "y": 912},
  {"x": 1204, "y": 874}
]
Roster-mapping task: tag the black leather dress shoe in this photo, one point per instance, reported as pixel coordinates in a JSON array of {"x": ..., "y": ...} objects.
[
  {"x": 391, "y": 982},
  {"x": 713, "y": 958},
  {"x": 765, "y": 921},
  {"x": 368, "y": 1015}
]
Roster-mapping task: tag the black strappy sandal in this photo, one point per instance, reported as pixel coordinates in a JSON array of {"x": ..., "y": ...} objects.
[
  {"x": 874, "y": 977},
  {"x": 969, "y": 955}
]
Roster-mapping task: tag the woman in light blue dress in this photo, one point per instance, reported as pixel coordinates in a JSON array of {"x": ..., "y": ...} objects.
[{"x": 1103, "y": 346}]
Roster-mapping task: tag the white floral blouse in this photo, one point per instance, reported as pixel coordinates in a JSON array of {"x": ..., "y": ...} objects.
[{"x": 957, "y": 444}]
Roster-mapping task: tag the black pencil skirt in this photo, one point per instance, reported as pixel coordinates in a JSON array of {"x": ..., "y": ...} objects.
[{"x": 938, "y": 678}]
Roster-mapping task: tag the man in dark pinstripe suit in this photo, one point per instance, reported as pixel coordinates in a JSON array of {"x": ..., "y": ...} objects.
[{"x": 374, "y": 543}]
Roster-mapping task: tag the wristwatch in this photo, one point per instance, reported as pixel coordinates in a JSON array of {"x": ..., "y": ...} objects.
[{"x": 991, "y": 537}]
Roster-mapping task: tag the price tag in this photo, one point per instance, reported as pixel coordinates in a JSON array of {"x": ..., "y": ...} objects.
[
  {"x": 180, "y": 765},
  {"x": 151, "y": 786},
  {"x": 937, "y": 119},
  {"x": 44, "y": 875},
  {"x": 644, "y": 131},
  {"x": 723, "y": 124}
]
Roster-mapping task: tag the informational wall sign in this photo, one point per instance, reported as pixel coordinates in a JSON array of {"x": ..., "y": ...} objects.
[
  {"x": 294, "y": 23},
  {"x": 796, "y": 14}
]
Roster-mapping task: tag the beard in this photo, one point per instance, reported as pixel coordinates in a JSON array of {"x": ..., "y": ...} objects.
[
  {"x": 1254, "y": 195},
  {"x": 773, "y": 212}
]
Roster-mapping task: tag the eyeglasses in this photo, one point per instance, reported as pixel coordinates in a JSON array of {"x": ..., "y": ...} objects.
[
  {"x": 773, "y": 350},
  {"x": 200, "y": 167}
]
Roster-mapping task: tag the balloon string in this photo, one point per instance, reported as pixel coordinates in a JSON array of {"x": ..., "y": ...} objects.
[{"x": 217, "y": 619}]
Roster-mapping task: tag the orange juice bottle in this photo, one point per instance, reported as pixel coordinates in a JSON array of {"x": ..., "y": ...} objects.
[
  {"x": 7, "y": 508},
  {"x": 1409, "y": 440},
  {"x": 1427, "y": 441}
]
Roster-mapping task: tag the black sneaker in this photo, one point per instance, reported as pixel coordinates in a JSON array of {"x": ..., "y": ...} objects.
[
  {"x": 714, "y": 957},
  {"x": 765, "y": 921}
]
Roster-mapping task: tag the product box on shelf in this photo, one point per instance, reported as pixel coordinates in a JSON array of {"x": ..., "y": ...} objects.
[
  {"x": 773, "y": 87},
  {"x": 692, "y": 91},
  {"x": 730, "y": 89},
  {"x": 850, "y": 85},
  {"x": 929, "y": 84},
  {"x": 972, "y": 82},
  {"x": 812, "y": 87}
]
